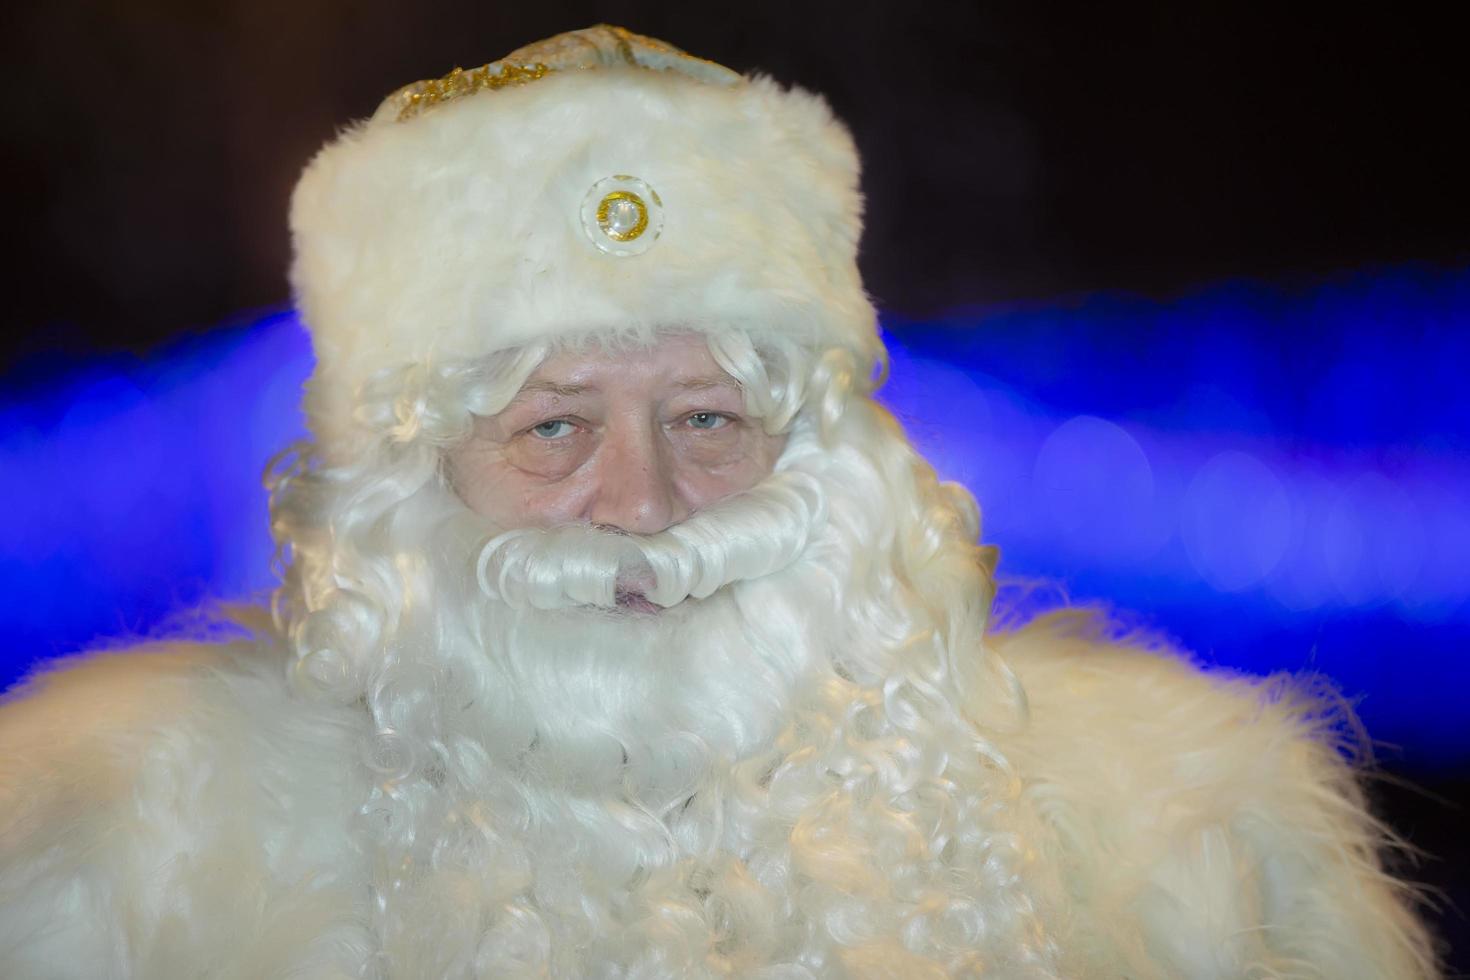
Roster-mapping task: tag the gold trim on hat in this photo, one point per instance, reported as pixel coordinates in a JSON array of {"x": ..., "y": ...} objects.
[{"x": 603, "y": 46}]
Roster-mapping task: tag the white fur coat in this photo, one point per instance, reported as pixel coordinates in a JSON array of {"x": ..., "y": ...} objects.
[{"x": 175, "y": 812}]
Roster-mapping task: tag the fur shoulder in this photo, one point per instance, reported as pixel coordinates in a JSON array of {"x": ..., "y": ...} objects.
[
  {"x": 171, "y": 807},
  {"x": 73, "y": 735},
  {"x": 1213, "y": 821}
]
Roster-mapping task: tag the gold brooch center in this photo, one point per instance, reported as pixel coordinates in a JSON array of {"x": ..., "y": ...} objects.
[{"x": 622, "y": 215}]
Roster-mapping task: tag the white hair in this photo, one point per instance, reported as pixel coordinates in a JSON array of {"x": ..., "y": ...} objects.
[{"x": 787, "y": 773}]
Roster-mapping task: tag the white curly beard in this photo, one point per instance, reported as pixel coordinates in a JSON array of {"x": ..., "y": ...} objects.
[
  {"x": 613, "y": 657},
  {"x": 736, "y": 781}
]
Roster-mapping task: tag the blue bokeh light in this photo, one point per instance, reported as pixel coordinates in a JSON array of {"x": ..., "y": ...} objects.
[{"x": 1277, "y": 478}]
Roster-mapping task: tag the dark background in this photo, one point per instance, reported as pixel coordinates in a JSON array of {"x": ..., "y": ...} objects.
[{"x": 1014, "y": 151}]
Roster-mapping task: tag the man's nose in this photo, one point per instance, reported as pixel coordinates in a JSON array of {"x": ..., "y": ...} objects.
[{"x": 635, "y": 481}]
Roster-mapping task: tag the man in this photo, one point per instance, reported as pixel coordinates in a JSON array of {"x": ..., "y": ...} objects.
[{"x": 623, "y": 634}]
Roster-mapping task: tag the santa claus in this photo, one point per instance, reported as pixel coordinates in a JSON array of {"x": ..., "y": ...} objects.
[{"x": 622, "y": 634}]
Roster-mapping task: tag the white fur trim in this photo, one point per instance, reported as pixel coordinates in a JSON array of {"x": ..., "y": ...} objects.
[
  {"x": 457, "y": 233},
  {"x": 175, "y": 813}
]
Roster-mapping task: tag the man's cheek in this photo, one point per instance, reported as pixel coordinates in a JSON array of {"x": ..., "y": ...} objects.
[
  {"x": 547, "y": 460},
  {"x": 732, "y": 455},
  {"x": 541, "y": 503},
  {"x": 699, "y": 487}
]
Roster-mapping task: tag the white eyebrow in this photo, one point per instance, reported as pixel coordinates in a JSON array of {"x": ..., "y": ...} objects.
[
  {"x": 700, "y": 384},
  {"x": 552, "y": 387},
  {"x": 572, "y": 390}
]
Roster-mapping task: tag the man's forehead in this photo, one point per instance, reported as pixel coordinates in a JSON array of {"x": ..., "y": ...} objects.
[
  {"x": 548, "y": 386},
  {"x": 679, "y": 363}
]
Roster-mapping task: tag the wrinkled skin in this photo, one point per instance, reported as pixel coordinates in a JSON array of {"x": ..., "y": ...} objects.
[{"x": 633, "y": 441}]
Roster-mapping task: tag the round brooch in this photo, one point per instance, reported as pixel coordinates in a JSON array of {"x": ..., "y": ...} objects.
[{"x": 622, "y": 215}]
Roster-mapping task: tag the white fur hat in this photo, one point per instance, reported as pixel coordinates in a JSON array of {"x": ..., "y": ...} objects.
[{"x": 595, "y": 180}]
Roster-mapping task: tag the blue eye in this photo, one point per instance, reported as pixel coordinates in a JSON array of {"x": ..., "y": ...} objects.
[
  {"x": 552, "y": 429},
  {"x": 707, "y": 420}
]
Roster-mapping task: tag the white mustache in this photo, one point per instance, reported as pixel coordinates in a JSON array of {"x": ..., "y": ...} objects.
[{"x": 746, "y": 536}]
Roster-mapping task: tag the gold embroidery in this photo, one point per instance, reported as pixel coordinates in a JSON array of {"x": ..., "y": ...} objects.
[
  {"x": 603, "y": 46},
  {"x": 418, "y": 97}
]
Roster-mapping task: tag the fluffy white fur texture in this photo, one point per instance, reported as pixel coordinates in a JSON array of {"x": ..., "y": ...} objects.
[
  {"x": 824, "y": 768},
  {"x": 442, "y": 238}
]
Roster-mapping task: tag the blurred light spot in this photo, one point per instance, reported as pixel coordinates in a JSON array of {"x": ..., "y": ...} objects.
[
  {"x": 1373, "y": 541},
  {"x": 1443, "y": 584},
  {"x": 1236, "y": 521},
  {"x": 1302, "y": 581},
  {"x": 1093, "y": 483}
]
